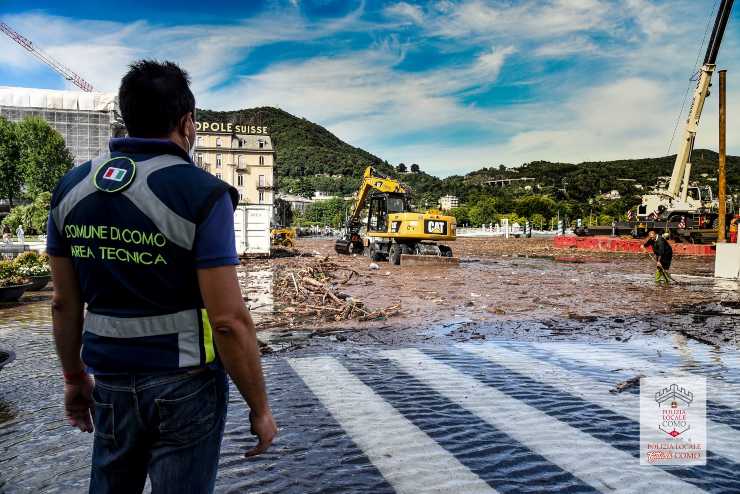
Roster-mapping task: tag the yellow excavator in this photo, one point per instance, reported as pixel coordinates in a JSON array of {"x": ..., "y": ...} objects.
[
  {"x": 392, "y": 228},
  {"x": 283, "y": 237}
]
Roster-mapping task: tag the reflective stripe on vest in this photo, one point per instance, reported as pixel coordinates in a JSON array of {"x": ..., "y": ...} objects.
[
  {"x": 185, "y": 324},
  {"x": 173, "y": 226}
]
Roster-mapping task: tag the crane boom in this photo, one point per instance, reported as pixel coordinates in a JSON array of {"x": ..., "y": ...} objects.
[
  {"x": 679, "y": 183},
  {"x": 47, "y": 59}
]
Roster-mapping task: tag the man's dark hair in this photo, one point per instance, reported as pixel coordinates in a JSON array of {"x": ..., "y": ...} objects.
[{"x": 153, "y": 98}]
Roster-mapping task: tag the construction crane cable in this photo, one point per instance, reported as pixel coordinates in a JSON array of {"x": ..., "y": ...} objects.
[{"x": 693, "y": 75}]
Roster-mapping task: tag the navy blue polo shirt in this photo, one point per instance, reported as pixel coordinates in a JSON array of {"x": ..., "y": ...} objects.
[{"x": 214, "y": 238}]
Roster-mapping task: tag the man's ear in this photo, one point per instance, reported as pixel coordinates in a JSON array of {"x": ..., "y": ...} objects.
[{"x": 183, "y": 126}]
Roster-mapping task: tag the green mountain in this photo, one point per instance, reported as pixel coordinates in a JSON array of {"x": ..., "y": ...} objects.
[
  {"x": 303, "y": 148},
  {"x": 583, "y": 180},
  {"x": 309, "y": 157}
]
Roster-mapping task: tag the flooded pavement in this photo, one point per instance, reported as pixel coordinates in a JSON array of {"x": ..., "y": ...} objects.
[
  {"x": 495, "y": 415},
  {"x": 495, "y": 377},
  {"x": 499, "y": 293}
]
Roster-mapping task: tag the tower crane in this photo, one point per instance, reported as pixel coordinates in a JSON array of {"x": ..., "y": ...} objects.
[{"x": 47, "y": 59}]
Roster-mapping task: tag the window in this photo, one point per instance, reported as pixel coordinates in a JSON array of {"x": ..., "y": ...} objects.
[
  {"x": 218, "y": 161},
  {"x": 200, "y": 140},
  {"x": 218, "y": 142},
  {"x": 262, "y": 196},
  {"x": 261, "y": 143},
  {"x": 242, "y": 161},
  {"x": 262, "y": 181},
  {"x": 218, "y": 176},
  {"x": 377, "y": 215},
  {"x": 241, "y": 196},
  {"x": 240, "y": 180},
  {"x": 199, "y": 158},
  {"x": 262, "y": 160}
]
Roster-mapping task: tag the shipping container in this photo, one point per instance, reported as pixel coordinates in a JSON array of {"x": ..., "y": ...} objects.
[{"x": 252, "y": 229}]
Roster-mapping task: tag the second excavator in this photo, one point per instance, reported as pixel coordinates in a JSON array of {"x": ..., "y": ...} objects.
[{"x": 393, "y": 229}]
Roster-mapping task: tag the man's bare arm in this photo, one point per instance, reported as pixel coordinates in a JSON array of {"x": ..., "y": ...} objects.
[
  {"x": 236, "y": 340},
  {"x": 67, "y": 316}
]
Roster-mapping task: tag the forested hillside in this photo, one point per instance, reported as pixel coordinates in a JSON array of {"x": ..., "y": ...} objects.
[
  {"x": 303, "y": 148},
  {"x": 309, "y": 158}
]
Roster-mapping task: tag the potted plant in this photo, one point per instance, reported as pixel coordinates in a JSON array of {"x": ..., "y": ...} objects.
[
  {"x": 12, "y": 283},
  {"x": 36, "y": 267}
]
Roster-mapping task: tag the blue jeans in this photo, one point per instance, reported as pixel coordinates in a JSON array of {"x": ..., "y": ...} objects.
[{"x": 167, "y": 426}]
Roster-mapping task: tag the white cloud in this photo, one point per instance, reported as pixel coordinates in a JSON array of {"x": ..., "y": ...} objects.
[
  {"x": 573, "y": 46},
  {"x": 618, "y": 97},
  {"x": 100, "y": 50},
  {"x": 630, "y": 118},
  {"x": 405, "y": 10},
  {"x": 362, "y": 95}
]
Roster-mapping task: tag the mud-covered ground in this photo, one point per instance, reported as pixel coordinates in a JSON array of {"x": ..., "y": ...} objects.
[
  {"x": 386, "y": 405},
  {"x": 524, "y": 288}
]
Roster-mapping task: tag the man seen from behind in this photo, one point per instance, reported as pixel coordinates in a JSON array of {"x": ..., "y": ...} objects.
[{"x": 145, "y": 239}]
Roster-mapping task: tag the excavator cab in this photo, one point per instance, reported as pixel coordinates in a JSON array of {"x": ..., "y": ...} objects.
[{"x": 381, "y": 205}]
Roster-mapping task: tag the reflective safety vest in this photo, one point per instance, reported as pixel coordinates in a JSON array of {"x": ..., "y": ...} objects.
[{"x": 129, "y": 220}]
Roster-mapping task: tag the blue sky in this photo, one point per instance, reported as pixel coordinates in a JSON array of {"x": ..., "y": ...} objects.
[{"x": 453, "y": 85}]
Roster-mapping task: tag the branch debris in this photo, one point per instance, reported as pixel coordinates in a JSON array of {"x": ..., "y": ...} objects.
[{"x": 311, "y": 293}]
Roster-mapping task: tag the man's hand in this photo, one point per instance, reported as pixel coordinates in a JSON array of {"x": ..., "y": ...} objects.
[
  {"x": 78, "y": 403},
  {"x": 264, "y": 427}
]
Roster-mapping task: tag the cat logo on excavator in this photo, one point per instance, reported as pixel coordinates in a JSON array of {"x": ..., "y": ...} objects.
[{"x": 437, "y": 227}]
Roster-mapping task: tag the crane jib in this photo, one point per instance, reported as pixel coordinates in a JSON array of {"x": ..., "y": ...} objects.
[{"x": 723, "y": 16}]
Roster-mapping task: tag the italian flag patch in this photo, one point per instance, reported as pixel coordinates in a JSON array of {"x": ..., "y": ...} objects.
[{"x": 115, "y": 174}]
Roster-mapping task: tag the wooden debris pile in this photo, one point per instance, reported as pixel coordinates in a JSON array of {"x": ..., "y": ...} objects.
[{"x": 311, "y": 293}]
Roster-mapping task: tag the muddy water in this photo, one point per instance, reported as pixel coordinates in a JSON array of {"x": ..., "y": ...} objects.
[
  {"x": 315, "y": 453},
  {"x": 39, "y": 452},
  {"x": 540, "y": 300}
]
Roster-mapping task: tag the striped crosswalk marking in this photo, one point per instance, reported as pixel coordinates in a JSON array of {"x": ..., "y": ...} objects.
[
  {"x": 408, "y": 459},
  {"x": 717, "y": 391},
  {"x": 722, "y": 440},
  {"x": 593, "y": 461},
  {"x": 726, "y": 358}
]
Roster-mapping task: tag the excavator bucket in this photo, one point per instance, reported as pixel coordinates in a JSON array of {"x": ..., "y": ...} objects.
[
  {"x": 342, "y": 246},
  {"x": 414, "y": 260}
]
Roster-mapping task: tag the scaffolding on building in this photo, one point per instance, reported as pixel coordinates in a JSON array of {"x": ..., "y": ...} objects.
[{"x": 87, "y": 121}]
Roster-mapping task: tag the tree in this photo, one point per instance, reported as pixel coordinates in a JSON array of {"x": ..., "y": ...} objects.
[
  {"x": 11, "y": 177},
  {"x": 32, "y": 216},
  {"x": 528, "y": 206},
  {"x": 461, "y": 215},
  {"x": 305, "y": 188},
  {"x": 283, "y": 212},
  {"x": 401, "y": 168},
  {"x": 44, "y": 156},
  {"x": 415, "y": 168},
  {"x": 327, "y": 212},
  {"x": 483, "y": 211}
]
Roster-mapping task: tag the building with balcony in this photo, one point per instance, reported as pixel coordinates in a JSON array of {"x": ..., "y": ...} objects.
[
  {"x": 448, "y": 202},
  {"x": 244, "y": 161}
]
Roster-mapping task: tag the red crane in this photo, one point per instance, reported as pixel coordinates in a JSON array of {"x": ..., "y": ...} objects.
[{"x": 47, "y": 59}]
